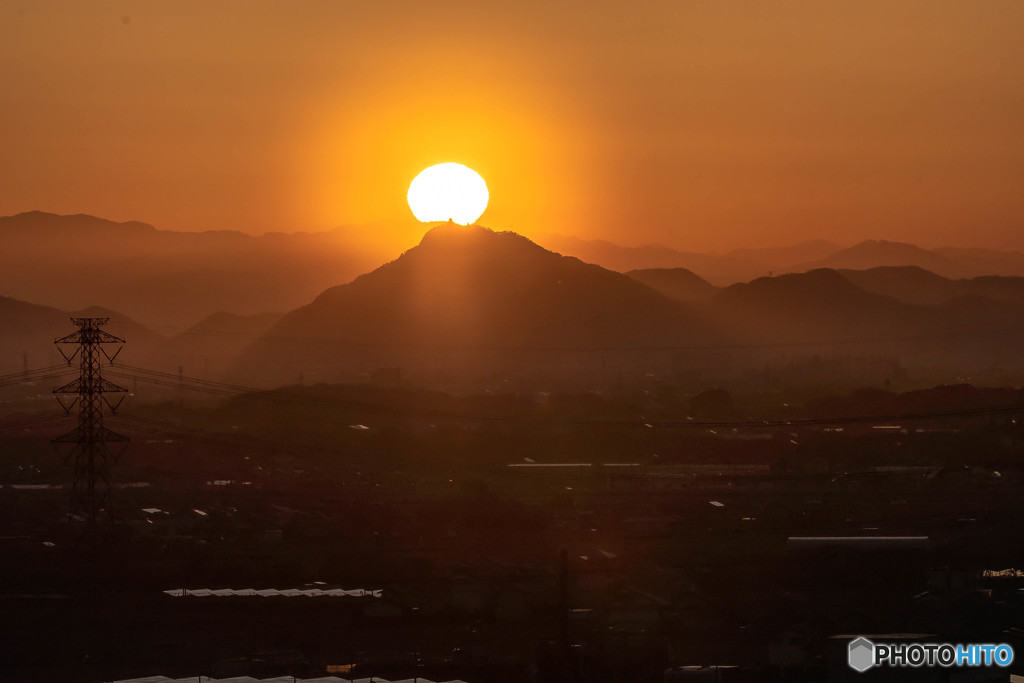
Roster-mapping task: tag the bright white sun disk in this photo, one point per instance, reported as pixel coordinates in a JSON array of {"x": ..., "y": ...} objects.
[{"x": 448, "y": 192}]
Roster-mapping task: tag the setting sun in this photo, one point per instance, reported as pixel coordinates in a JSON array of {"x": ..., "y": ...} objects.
[{"x": 448, "y": 192}]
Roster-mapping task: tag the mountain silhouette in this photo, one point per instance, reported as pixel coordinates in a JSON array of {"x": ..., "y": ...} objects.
[
  {"x": 675, "y": 283},
  {"x": 169, "y": 278},
  {"x": 27, "y": 332},
  {"x": 469, "y": 302},
  {"x": 819, "y": 305},
  {"x": 745, "y": 264},
  {"x": 874, "y": 253},
  {"x": 821, "y": 312},
  {"x": 911, "y": 284},
  {"x": 718, "y": 270},
  {"x": 1007, "y": 290},
  {"x": 207, "y": 348},
  {"x": 492, "y": 306},
  {"x": 468, "y": 297},
  {"x": 224, "y": 324}
]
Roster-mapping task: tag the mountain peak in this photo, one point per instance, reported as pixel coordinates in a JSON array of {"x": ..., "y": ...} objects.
[
  {"x": 454, "y": 231},
  {"x": 79, "y": 221},
  {"x": 452, "y": 235},
  {"x": 476, "y": 295},
  {"x": 450, "y": 247},
  {"x": 874, "y": 253}
]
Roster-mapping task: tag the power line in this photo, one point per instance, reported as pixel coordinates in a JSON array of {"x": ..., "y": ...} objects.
[
  {"x": 49, "y": 368},
  {"x": 26, "y": 376}
]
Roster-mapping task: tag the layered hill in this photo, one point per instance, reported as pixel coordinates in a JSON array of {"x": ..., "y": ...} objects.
[
  {"x": 675, "y": 283},
  {"x": 210, "y": 346},
  {"x": 911, "y": 284},
  {"x": 27, "y": 332},
  {"x": 743, "y": 265},
  {"x": 981, "y": 262},
  {"x": 817, "y": 306},
  {"x": 875, "y": 253},
  {"x": 472, "y": 298},
  {"x": 719, "y": 270},
  {"x": 822, "y": 314},
  {"x": 169, "y": 278},
  {"x": 470, "y": 302}
]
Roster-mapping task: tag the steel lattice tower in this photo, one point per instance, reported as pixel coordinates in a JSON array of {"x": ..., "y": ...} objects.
[{"x": 90, "y": 489}]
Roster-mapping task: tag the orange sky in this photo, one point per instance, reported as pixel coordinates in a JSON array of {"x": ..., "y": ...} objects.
[{"x": 703, "y": 125}]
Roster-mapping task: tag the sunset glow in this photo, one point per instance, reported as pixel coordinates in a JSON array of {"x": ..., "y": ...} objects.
[
  {"x": 511, "y": 341},
  {"x": 907, "y": 127},
  {"x": 448, "y": 192}
]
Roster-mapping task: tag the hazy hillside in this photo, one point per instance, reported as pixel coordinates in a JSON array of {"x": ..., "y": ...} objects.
[
  {"x": 743, "y": 265},
  {"x": 820, "y": 305},
  {"x": 498, "y": 308},
  {"x": 718, "y": 270},
  {"x": 875, "y": 253},
  {"x": 472, "y": 298},
  {"x": 838, "y": 332},
  {"x": 676, "y": 283},
  {"x": 1009, "y": 290},
  {"x": 469, "y": 302},
  {"x": 210, "y": 346},
  {"x": 911, "y": 284},
  {"x": 27, "y": 332},
  {"x": 222, "y": 324},
  {"x": 168, "y": 278}
]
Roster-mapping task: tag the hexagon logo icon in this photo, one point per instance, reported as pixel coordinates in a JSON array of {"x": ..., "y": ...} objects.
[{"x": 861, "y": 654}]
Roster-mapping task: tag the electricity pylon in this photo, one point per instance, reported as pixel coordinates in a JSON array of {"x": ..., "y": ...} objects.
[{"x": 90, "y": 489}]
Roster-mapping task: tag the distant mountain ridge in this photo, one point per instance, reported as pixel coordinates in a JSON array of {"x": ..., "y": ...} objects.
[
  {"x": 502, "y": 313},
  {"x": 817, "y": 306},
  {"x": 912, "y": 284},
  {"x": 495, "y": 306},
  {"x": 27, "y": 332},
  {"x": 166, "y": 277},
  {"x": 744, "y": 265},
  {"x": 473, "y": 297},
  {"x": 174, "y": 279},
  {"x": 876, "y": 253},
  {"x": 469, "y": 301},
  {"x": 718, "y": 270}
]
